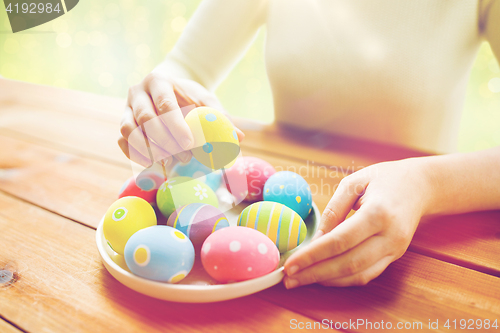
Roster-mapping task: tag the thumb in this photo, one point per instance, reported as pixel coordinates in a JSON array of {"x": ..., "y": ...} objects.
[{"x": 350, "y": 189}]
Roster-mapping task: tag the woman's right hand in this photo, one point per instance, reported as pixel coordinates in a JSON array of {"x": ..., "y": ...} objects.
[{"x": 153, "y": 127}]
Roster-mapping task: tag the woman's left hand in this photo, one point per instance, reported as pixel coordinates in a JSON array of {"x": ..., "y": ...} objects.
[{"x": 389, "y": 199}]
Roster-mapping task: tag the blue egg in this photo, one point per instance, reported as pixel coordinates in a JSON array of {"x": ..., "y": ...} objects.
[
  {"x": 160, "y": 253},
  {"x": 195, "y": 169},
  {"x": 291, "y": 190}
]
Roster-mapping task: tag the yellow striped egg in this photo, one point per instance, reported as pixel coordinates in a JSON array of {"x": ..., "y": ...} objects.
[{"x": 280, "y": 223}]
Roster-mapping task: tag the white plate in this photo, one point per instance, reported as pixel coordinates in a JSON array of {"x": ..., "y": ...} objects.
[{"x": 198, "y": 286}]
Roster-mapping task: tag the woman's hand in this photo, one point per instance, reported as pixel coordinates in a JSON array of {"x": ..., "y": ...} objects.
[
  {"x": 389, "y": 199},
  {"x": 153, "y": 126}
]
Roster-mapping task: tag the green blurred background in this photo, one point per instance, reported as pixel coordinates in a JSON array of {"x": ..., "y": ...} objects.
[{"x": 104, "y": 47}]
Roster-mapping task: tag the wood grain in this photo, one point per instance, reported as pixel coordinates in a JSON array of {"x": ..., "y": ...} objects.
[
  {"x": 78, "y": 188},
  {"x": 63, "y": 286},
  {"x": 67, "y": 130},
  {"x": 474, "y": 239},
  {"x": 5, "y": 327},
  {"x": 59, "y": 152},
  {"x": 413, "y": 289}
]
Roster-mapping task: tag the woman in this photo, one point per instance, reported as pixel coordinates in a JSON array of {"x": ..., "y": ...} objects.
[{"x": 390, "y": 71}]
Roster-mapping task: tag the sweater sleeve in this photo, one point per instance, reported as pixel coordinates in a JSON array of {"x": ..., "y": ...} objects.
[
  {"x": 215, "y": 39},
  {"x": 490, "y": 23}
]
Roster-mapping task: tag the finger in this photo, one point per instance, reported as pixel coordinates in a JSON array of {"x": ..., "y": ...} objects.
[
  {"x": 127, "y": 127},
  {"x": 361, "y": 278},
  {"x": 136, "y": 138},
  {"x": 184, "y": 157},
  {"x": 349, "y": 263},
  {"x": 145, "y": 116},
  {"x": 240, "y": 134},
  {"x": 347, "y": 193},
  {"x": 357, "y": 204},
  {"x": 184, "y": 100},
  {"x": 344, "y": 237},
  {"x": 163, "y": 96},
  {"x": 133, "y": 154}
]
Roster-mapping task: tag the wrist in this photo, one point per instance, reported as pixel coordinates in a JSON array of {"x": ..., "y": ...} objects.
[
  {"x": 427, "y": 178},
  {"x": 173, "y": 67}
]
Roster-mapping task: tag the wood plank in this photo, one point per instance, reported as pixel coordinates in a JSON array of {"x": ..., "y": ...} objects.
[
  {"x": 471, "y": 240},
  {"x": 63, "y": 287},
  {"x": 5, "y": 327},
  {"x": 73, "y": 101},
  {"x": 415, "y": 288},
  {"x": 78, "y": 188},
  {"x": 93, "y": 137},
  {"x": 82, "y": 189}
]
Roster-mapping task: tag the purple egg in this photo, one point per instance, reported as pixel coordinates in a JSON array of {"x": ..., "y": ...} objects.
[{"x": 198, "y": 221}]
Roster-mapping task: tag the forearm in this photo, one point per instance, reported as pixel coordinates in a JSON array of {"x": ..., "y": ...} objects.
[{"x": 463, "y": 182}]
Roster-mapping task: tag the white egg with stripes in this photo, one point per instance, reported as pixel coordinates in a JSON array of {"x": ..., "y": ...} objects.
[{"x": 278, "y": 222}]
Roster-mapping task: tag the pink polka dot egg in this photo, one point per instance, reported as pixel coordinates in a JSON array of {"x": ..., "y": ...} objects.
[
  {"x": 250, "y": 174},
  {"x": 238, "y": 254}
]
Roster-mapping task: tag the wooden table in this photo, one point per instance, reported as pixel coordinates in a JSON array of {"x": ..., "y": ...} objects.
[{"x": 60, "y": 168}]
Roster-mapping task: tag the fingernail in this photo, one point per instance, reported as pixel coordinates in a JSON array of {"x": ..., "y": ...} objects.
[
  {"x": 184, "y": 157},
  {"x": 240, "y": 132},
  {"x": 186, "y": 143},
  {"x": 317, "y": 235},
  {"x": 161, "y": 158},
  {"x": 165, "y": 161},
  {"x": 292, "y": 270},
  {"x": 291, "y": 283}
]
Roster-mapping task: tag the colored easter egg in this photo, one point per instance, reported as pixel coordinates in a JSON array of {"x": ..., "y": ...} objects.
[
  {"x": 198, "y": 221},
  {"x": 180, "y": 191},
  {"x": 291, "y": 190},
  {"x": 196, "y": 170},
  {"x": 160, "y": 253},
  {"x": 123, "y": 218},
  {"x": 144, "y": 186},
  {"x": 237, "y": 254},
  {"x": 160, "y": 219},
  {"x": 281, "y": 224},
  {"x": 254, "y": 172},
  {"x": 216, "y": 144}
]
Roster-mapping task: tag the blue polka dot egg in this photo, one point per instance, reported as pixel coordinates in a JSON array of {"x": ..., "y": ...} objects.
[
  {"x": 291, "y": 190},
  {"x": 160, "y": 253},
  {"x": 196, "y": 170}
]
